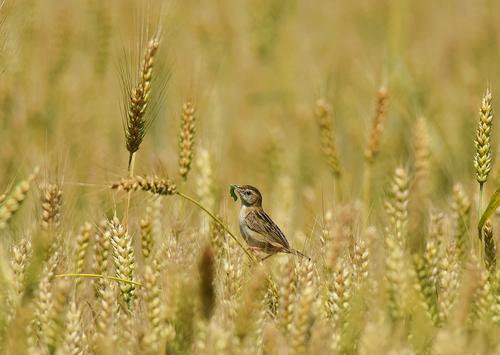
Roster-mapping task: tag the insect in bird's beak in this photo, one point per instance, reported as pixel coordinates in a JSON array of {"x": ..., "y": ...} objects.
[{"x": 232, "y": 188}]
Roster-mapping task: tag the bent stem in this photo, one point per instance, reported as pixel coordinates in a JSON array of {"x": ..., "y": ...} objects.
[
  {"x": 97, "y": 276},
  {"x": 218, "y": 221}
]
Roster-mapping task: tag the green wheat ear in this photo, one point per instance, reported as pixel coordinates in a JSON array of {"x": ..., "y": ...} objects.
[{"x": 231, "y": 191}]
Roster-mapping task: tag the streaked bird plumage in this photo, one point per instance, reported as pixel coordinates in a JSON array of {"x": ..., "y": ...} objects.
[{"x": 257, "y": 228}]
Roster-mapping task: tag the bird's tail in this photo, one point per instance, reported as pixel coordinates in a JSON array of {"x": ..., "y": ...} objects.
[{"x": 298, "y": 253}]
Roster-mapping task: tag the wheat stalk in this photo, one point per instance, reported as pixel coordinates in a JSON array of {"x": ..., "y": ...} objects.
[
  {"x": 51, "y": 206},
  {"x": 395, "y": 241},
  {"x": 461, "y": 214},
  {"x": 397, "y": 204},
  {"x": 482, "y": 159},
  {"x": 490, "y": 250},
  {"x": 138, "y": 98},
  {"x": 102, "y": 244},
  {"x": 303, "y": 308},
  {"x": 82, "y": 244},
  {"x": 205, "y": 179},
  {"x": 249, "y": 309},
  {"x": 287, "y": 290},
  {"x": 123, "y": 258},
  {"x": 373, "y": 145},
  {"x": 422, "y": 155},
  {"x": 147, "y": 241},
  {"x": 186, "y": 138},
  {"x": 232, "y": 268},
  {"x": 482, "y": 297},
  {"x": 449, "y": 283},
  {"x": 495, "y": 305},
  {"x": 327, "y": 135},
  {"x": 377, "y": 128},
  {"x": 153, "y": 184},
  {"x": 155, "y": 309},
  {"x": 426, "y": 288},
  {"x": 340, "y": 290},
  {"x": 360, "y": 260},
  {"x": 21, "y": 256},
  {"x": 75, "y": 338},
  {"x": 108, "y": 309},
  {"x": 42, "y": 324},
  {"x": 433, "y": 248},
  {"x": 14, "y": 200}
]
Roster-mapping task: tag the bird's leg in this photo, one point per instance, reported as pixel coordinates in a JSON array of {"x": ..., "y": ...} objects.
[
  {"x": 267, "y": 256},
  {"x": 253, "y": 250}
]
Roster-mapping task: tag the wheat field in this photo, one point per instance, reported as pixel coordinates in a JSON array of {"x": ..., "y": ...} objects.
[{"x": 368, "y": 126}]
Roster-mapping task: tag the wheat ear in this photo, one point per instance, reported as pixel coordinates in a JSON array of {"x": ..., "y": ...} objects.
[
  {"x": 51, "y": 207},
  {"x": 323, "y": 115},
  {"x": 138, "y": 100},
  {"x": 373, "y": 145},
  {"x": 482, "y": 159},
  {"x": 124, "y": 260},
  {"x": 14, "y": 200},
  {"x": 186, "y": 138}
]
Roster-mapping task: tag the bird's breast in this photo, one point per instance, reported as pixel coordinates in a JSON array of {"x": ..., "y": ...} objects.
[
  {"x": 243, "y": 214},
  {"x": 244, "y": 230}
]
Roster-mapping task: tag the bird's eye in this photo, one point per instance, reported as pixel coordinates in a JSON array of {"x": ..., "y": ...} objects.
[{"x": 247, "y": 192}]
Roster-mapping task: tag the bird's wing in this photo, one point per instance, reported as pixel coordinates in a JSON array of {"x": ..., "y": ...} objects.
[{"x": 259, "y": 222}]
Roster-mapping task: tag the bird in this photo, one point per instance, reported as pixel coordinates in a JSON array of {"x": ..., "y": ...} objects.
[{"x": 257, "y": 228}]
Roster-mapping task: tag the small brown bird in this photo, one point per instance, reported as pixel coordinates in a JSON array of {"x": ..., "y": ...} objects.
[{"x": 257, "y": 228}]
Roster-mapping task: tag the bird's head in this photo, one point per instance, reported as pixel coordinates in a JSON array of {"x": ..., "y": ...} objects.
[{"x": 249, "y": 195}]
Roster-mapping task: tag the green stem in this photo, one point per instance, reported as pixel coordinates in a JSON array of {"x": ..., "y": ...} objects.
[
  {"x": 97, "y": 276},
  {"x": 337, "y": 179},
  {"x": 218, "y": 220},
  {"x": 130, "y": 170},
  {"x": 480, "y": 203},
  {"x": 479, "y": 213}
]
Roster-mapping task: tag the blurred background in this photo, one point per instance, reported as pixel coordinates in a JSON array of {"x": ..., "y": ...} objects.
[{"x": 255, "y": 69}]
